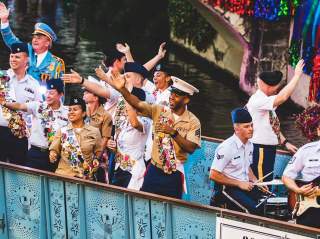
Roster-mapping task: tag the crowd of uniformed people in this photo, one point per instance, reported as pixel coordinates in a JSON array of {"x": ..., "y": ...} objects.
[{"x": 136, "y": 133}]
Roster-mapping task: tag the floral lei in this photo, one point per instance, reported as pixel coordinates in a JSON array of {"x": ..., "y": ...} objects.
[
  {"x": 85, "y": 168},
  {"x": 120, "y": 113},
  {"x": 165, "y": 146},
  {"x": 16, "y": 123},
  {"x": 47, "y": 119},
  {"x": 126, "y": 161}
]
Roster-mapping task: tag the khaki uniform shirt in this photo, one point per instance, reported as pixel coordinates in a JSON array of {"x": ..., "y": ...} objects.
[
  {"x": 89, "y": 139},
  {"x": 102, "y": 120},
  {"x": 187, "y": 125}
]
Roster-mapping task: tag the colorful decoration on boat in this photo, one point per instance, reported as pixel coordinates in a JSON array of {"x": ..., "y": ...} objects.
[
  {"x": 305, "y": 43},
  {"x": 270, "y": 10},
  {"x": 308, "y": 122}
]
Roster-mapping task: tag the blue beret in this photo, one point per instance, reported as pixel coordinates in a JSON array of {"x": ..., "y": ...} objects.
[
  {"x": 78, "y": 101},
  {"x": 19, "y": 47},
  {"x": 271, "y": 78},
  {"x": 44, "y": 29},
  {"x": 56, "y": 84},
  {"x": 240, "y": 115},
  {"x": 136, "y": 68},
  {"x": 139, "y": 93}
]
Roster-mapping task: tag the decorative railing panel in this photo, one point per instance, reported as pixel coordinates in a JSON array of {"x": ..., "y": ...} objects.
[{"x": 36, "y": 204}]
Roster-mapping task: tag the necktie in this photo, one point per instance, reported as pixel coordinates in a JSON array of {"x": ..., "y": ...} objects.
[
  {"x": 275, "y": 124},
  {"x": 36, "y": 60}
]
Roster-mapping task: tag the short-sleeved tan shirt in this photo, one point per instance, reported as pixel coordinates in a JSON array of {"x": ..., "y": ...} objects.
[
  {"x": 187, "y": 125},
  {"x": 89, "y": 139},
  {"x": 102, "y": 120}
]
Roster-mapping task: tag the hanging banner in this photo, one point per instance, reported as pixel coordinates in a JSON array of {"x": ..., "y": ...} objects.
[{"x": 226, "y": 229}]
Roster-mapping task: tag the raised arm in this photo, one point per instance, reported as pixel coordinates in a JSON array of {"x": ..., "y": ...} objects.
[
  {"x": 118, "y": 82},
  {"x": 161, "y": 54},
  {"x": 7, "y": 34},
  {"x": 75, "y": 78},
  {"x": 125, "y": 49},
  {"x": 133, "y": 118},
  {"x": 286, "y": 92}
]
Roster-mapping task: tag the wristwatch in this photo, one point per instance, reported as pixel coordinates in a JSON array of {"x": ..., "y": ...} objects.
[{"x": 174, "y": 134}]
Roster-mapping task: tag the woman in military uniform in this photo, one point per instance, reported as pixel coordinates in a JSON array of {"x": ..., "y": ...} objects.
[{"x": 77, "y": 144}]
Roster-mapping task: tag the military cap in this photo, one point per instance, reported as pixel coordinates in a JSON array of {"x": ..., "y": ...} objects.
[
  {"x": 55, "y": 84},
  {"x": 163, "y": 68},
  {"x": 44, "y": 29},
  {"x": 181, "y": 87},
  {"x": 271, "y": 78},
  {"x": 78, "y": 101},
  {"x": 19, "y": 47},
  {"x": 240, "y": 115},
  {"x": 136, "y": 68}
]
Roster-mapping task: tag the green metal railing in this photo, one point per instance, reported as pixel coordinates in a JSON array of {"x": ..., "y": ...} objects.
[{"x": 37, "y": 204}]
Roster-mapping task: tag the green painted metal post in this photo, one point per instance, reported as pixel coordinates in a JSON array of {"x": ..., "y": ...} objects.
[{"x": 3, "y": 212}]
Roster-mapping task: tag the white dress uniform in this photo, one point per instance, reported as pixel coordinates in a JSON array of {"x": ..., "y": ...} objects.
[
  {"x": 21, "y": 91},
  {"x": 233, "y": 158},
  {"x": 59, "y": 116},
  {"x": 12, "y": 148},
  {"x": 259, "y": 106},
  {"x": 131, "y": 141},
  {"x": 265, "y": 139},
  {"x": 305, "y": 162}
]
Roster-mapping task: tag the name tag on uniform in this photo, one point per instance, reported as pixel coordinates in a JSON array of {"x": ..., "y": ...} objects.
[
  {"x": 236, "y": 157},
  {"x": 29, "y": 90},
  {"x": 313, "y": 160}
]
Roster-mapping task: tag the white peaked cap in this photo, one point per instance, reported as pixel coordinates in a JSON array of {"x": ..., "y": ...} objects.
[{"x": 183, "y": 86}]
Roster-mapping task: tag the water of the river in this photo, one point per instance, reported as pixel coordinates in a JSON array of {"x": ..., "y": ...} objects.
[{"x": 85, "y": 28}]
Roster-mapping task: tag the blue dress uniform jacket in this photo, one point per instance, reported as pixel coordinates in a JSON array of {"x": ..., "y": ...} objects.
[{"x": 51, "y": 66}]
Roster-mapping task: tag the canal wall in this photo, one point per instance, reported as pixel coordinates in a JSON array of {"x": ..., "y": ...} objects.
[{"x": 245, "y": 46}]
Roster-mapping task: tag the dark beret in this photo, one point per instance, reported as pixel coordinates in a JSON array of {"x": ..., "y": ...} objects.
[
  {"x": 78, "y": 101},
  {"x": 55, "y": 84},
  {"x": 271, "y": 78},
  {"x": 19, "y": 47},
  {"x": 240, "y": 115}
]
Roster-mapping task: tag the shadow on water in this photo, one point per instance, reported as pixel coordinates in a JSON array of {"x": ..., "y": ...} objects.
[{"x": 85, "y": 28}]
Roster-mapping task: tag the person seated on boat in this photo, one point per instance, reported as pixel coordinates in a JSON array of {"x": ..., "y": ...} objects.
[
  {"x": 77, "y": 146},
  {"x": 266, "y": 125},
  {"x": 43, "y": 65},
  {"x": 20, "y": 87},
  {"x": 177, "y": 132},
  {"x": 305, "y": 165},
  {"x": 231, "y": 169},
  {"x": 48, "y": 117},
  {"x": 129, "y": 145}
]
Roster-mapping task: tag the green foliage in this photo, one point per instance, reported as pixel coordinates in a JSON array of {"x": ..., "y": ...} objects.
[{"x": 187, "y": 24}]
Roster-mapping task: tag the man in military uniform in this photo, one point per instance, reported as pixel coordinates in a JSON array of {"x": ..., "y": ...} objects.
[
  {"x": 21, "y": 88},
  {"x": 43, "y": 65},
  {"x": 176, "y": 133},
  {"x": 48, "y": 117},
  {"x": 231, "y": 167},
  {"x": 305, "y": 165},
  {"x": 267, "y": 134}
]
